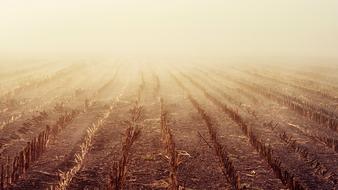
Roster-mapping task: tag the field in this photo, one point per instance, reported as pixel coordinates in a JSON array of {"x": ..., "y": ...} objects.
[{"x": 126, "y": 125}]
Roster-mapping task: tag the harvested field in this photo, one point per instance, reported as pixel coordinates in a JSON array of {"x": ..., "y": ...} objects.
[{"x": 141, "y": 126}]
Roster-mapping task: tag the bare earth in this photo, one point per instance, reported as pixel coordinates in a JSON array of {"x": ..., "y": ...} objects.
[{"x": 235, "y": 126}]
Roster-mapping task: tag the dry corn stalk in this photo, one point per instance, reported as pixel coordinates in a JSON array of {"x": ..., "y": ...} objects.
[
  {"x": 170, "y": 149},
  {"x": 118, "y": 174},
  {"x": 119, "y": 170}
]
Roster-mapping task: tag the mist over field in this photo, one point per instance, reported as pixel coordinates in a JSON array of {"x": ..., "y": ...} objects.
[
  {"x": 190, "y": 28},
  {"x": 176, "y": 95}
]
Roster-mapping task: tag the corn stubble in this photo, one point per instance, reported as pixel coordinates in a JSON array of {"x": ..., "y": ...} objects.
[
  {"x": 118, "y": 174},
  {"x": 171, "y": 153}
]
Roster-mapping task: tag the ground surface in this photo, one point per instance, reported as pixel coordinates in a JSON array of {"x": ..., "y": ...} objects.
[{"x": 237, "y": 126}]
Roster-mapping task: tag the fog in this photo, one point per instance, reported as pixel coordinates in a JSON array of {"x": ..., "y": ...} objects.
[
  {"x": 219, "y": 94},
  {"x": 152, "y": 28}
]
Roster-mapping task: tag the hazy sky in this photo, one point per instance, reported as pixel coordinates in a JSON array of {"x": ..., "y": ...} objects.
[{"x": 196, "y": 27}]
